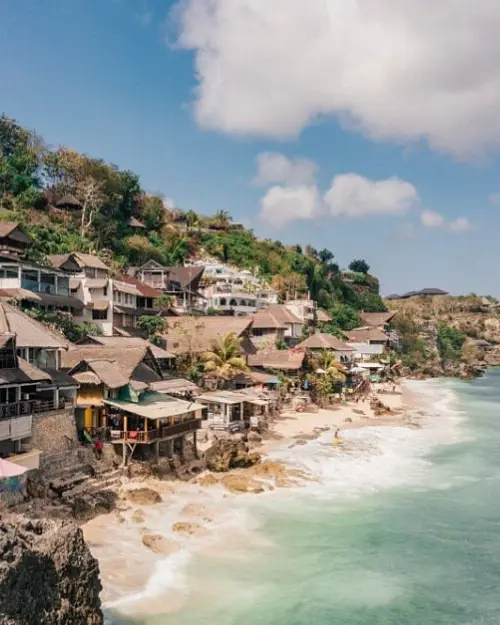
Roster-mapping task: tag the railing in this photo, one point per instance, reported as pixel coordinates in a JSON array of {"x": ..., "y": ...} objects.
[
  {"x": 137, "y": 436},
  {"x": 27, "y": 407},
  {"x": 41, "y": 287}
]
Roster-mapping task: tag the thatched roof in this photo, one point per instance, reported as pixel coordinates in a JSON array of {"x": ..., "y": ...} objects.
[
  {"x": 80, "y": 259},
  {"x": 135, "y": 223},
  {"x": 125, "y": 361},
  {"x": 172, "y": 386},
  {"x": 377, "y": 319},
  {"x": 121, "y": 342},
  {"x": 285, "y": 360},
  {"x": 28, "y": 332},
  {"x": 322, "y": 316},
  {"x": 324, "y": 341},
  {"x": 363, "y": 335},
  {"x": 197, "y": 334},
  {"x": 276, "y": 316},
  {"x": 69, "y": 201}
]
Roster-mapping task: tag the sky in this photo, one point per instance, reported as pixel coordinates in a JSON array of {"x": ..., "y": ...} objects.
[{"x": 370, "y": 127}]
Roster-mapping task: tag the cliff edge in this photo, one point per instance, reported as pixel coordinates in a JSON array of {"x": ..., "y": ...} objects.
[{"x": 47, "y": 574}]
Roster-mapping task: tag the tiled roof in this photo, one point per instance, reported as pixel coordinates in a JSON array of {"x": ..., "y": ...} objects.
[
  {"x": 324, "y": 341},
  {"x": 322, "y": 316},
  {"x": 144, "y": 289}
]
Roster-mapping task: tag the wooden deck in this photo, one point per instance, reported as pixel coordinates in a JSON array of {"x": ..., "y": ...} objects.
[{"x": 159, "y": 434}]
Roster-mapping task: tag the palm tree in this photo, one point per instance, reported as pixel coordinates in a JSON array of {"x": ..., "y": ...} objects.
[
  {"x": 192, "y": 219},
  {"x": 222, "y": 219},
  {"x": 326, "y": 361},
  {"x": 224, "y": 360}
]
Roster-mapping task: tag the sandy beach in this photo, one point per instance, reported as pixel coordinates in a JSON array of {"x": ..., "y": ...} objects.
[{"x": 140, "y": 542}]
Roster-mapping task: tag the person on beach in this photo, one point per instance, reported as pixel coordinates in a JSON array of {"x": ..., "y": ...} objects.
[{"x": 336, "y": 437}]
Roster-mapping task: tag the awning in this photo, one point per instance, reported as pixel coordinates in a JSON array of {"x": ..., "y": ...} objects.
[
  {"x": 176, "y": 385},
  {"x": 370, "y": 365},
  {"x": 162, "y": 408},
  {"x": 87, "y": 377},
  {"x": 124, "y": 310},
  {"x": 96, "y": 283},
  {"x": 9, "y": 469},
  {"x": 123, "y": 287},
  {"x": 99, "y": 305},
  {"x": 60, "y": 301}
]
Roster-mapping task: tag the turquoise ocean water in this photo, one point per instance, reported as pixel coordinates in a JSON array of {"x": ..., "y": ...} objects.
[{"x": 404, "y": 528}]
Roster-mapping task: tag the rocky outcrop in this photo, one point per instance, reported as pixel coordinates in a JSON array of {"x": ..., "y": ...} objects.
[
  {"x": 47, "y": 574},
  {"x": 189, "y": 528},
  {"x": 228, "y": 454},
  {"x": 160, "y": 544},
  {"x": 143, "y": 496}
]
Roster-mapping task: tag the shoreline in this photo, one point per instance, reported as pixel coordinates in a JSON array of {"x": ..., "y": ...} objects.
[{"x": 192, "y": 516}]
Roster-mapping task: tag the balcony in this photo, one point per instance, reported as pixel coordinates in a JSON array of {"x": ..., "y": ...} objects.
[
  {"x": 162, "y": 433},
  {"x": 15, "y": 428},
  {"x": 41, "y": 287},
  {"x": 29, "y": 407}
]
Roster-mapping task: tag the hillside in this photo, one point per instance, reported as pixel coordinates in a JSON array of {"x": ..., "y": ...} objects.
[
  {"x": 69, "y": 201},
  {"x": 448, "y": 335}
]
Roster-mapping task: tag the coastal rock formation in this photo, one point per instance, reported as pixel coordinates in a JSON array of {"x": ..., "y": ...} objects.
[
  {"x": 160, "y": 544},
  {"x": 190, "y": 528},
  {"x": 241, "y": 483},
  {"x": 138, "y": 516},
  {"x": 207, "y": 480},
  {"x": 143, "y": 496},
  {"x": 47, "y": 574},
  {"x": 230, "y": 454}
]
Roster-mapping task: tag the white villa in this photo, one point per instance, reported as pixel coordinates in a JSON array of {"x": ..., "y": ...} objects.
[{"x": 232, "y": 290}]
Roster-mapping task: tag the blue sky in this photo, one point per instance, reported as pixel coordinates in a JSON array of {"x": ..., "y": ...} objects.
[{"x": 100, "y": 76}]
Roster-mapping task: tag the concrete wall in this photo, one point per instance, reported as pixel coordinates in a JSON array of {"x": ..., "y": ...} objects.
[{"x": 54, "y": 432}]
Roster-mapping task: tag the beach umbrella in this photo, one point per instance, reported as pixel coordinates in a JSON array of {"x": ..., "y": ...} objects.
[{"x": 10, "y": 469}]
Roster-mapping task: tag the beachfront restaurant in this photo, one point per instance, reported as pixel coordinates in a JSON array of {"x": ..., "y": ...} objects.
[
  {"x": 153, "y": 420},
  {"x": 231, "y": 410}
]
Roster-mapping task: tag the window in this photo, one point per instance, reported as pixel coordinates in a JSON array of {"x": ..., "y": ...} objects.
[
  {"x": 105, "y": 291},
  {"x": 9, "y": 272},
  {"x": 257, "y": 332},
  {"x": 223, "y": 302},
  {"x": 99, "y": 315}
]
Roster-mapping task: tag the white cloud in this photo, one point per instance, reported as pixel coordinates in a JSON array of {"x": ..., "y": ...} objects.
[
  {"x": 284, "y": 205},
  {"x": 355, "y": 196},
  {"x": 431, "y": 219},
  {"x": 461, "y": 224},
  {"x": 398, "y": 70},
  {"x": 495, "y": 199},
  {"x": 275, "y": 168}
]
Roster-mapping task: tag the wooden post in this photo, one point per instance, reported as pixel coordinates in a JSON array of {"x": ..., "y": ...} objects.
[
  {"x": 145, "y": 425},
  {"x": 125, "y": 428},
  {"x": 194, "y": 445}
]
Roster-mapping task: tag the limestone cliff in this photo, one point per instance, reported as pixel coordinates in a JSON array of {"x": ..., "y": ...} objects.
[
  {"x": 47, "y": 574},
  {"x": 418, "y": 320}
]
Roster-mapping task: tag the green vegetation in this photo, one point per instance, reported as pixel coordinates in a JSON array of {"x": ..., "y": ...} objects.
[
  {"x": 152, "y": 326},
  {"x": 449, "y": 343},
  {"x": 225, "y": 360},
  {"x": 63, "y": 323},
  {"x": 34, "y": 178}
]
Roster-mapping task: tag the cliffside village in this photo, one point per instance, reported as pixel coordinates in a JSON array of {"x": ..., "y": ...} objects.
[{"x": 120, "y": 395}]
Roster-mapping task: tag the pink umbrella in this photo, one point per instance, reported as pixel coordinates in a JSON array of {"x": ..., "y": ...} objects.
[{"x": 10, "y": 469}]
